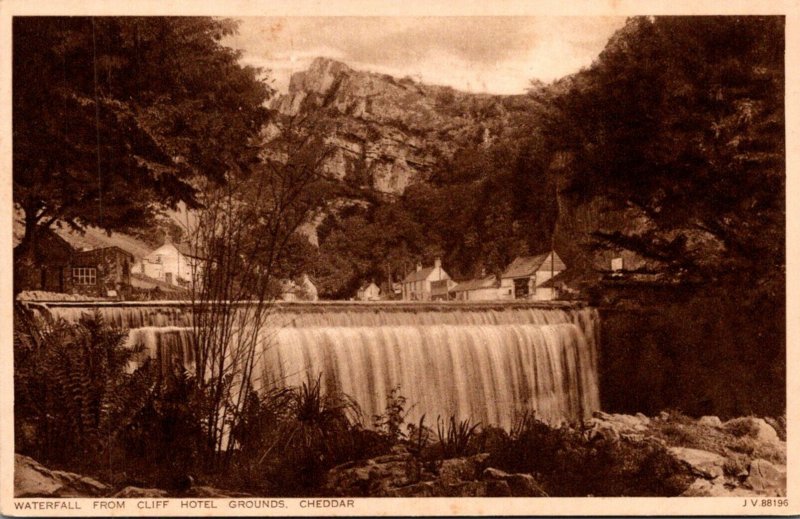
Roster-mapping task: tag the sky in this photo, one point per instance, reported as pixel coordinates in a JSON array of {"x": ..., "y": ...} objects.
[{"x": 498, "y": 55}]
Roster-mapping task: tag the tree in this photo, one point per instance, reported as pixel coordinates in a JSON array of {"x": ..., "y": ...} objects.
[
  {"x": 115, "y": 118},
  {"x": 241, "y": 239},
  {"x": 681, "y": 119}
]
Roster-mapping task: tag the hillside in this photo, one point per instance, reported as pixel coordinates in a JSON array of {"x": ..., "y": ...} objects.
[
  {"x": 431, "y": 171},
  {"x": 389, "y": 133}
]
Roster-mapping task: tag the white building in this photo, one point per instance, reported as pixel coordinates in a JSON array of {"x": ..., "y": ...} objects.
[
  {"x": 486, "y": 288},
  {"x": 369, "y": 292},
  {"x": 169, "y": 264},
  {"x": 527, "y": 277},
  {"x": 417, "y": 285}
]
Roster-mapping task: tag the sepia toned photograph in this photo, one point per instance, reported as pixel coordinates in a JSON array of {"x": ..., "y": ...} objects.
[{"x": 281, "y": 264}]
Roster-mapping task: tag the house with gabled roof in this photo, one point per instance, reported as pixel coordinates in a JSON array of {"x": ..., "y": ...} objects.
[
  {"x": 417, "y": 285},
  {"x": 171, "y": 263},
  {"x": 58, "y": 266},
  {"x": 527, "y": 277},
  {"x": 369, "y": 292},
  {"x": 486, "y": 288}
]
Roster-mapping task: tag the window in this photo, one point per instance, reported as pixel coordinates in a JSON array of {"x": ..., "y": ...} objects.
[{"x": 84, "y": 275}]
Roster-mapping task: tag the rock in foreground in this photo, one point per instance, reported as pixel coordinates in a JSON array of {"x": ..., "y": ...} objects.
[{"x": 32, "y": 479}]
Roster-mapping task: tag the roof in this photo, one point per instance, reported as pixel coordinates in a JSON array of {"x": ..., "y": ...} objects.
[
  {"x": 186, "y": 249},
  {"x": 558, "y": 279},
  {"x": 142, "y": 281},
  {"x": 110, "y": 248},
  {"x": 476, "y": 284},
  {"x": 367, "y": 285},
  {"x": 525, "y": 266},
  {"x": 418, "y": 275}
]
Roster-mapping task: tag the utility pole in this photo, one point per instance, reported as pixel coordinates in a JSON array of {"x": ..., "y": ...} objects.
[{"x": 553, "y": 241}]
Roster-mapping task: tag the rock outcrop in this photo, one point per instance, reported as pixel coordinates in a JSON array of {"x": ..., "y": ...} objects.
[
  {"x": 403, "y": 475},
  {"x": 32, "y": 479},
  {"x": 709, "y": 448},
  {"x": 388, "y": 133}
]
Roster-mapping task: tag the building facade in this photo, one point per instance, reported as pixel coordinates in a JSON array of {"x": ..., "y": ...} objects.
[
  {"x": 527, "y": 277},
  {"x": 417, "y": 285},
  {"x": 486, "y": 288},
  {"x": 102, "y": 272},
  {"x": 168, "y": 264},
  {"x": 58, "y": 267},
  {"x": 369, "y": 292}
]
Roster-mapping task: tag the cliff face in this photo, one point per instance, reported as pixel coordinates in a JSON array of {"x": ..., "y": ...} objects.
[{"x": 388, "y": 133}]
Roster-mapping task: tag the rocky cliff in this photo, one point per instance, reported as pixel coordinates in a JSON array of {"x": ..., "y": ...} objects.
[{"x": 388, "y": 133}]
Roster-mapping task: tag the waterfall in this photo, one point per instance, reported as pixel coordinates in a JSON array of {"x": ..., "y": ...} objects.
[{"x": 488, "y": 363}]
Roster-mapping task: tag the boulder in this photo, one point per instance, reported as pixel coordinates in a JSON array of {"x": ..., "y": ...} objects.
[
  {"x": 423, "y": 489},
  {"x": 710, "y": 421},
  {"x": 129, "y": 492},
  {"x": 206, "y": 491},
  {"x": 764, "y": 477},
  {"x": 620, "y": 423},
  {"x": 374, "y": 476},
  {"x": 32, "y": 479},
  {"x": 462, "y": 469},
  {"x": 521, "y": 485},
  {"x": 757, "y": 428},
  {"x": 705, "y": 464},
  {"x": 714, "y": 488},
  {"x": 765, "y": 432},
  {"x": 606, "y": 431}
]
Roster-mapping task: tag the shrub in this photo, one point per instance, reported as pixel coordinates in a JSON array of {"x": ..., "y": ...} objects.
[
  {"x": 677, "y": 434},
  {"x": 392, "y": 420},
  {"x": 73, "y": 395},
  {"x": 779, "y": 424},
  {"x": 289, "y": 438},
  {"x": 740, "y": 427},
  {"x": 456, "y": 439},
  {"x": 569, "y": 464},
  {"x": 736, "y": 464},
  {"x": 165, "y": 441}
]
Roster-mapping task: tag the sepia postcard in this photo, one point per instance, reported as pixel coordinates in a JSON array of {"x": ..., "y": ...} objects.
[{"x": 359, "y": 258}]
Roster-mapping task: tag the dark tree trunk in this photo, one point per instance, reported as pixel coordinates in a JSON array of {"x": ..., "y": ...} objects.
[{"x": 26, "y": 270}]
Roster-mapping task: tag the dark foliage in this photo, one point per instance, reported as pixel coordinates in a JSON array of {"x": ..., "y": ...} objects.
[
  {"x": 73, "y": 396},
  {"x": 456, "y": 438},
  {"x": 164, "y": 444},
  {"x": 718, "y": 352},
  {"x": 289, "y": 438},
  {"x": 114, "y": 117},
  {"x": 569, "y": 464},
  {"x": 681, "y": 119}
]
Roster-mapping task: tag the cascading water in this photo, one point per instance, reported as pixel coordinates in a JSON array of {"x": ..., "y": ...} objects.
[{"x": 489, "y": 363}]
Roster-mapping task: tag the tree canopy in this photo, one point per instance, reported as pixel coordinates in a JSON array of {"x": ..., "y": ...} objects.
[
  {"x": 114, "y": 117},
  {"x": 681, "y": 119}
]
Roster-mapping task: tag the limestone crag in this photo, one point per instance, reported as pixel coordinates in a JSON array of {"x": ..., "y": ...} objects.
[{"x": 388, "y": 133}]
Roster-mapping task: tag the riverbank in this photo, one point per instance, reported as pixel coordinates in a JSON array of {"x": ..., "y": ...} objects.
[{"x": 609, "y": 454}]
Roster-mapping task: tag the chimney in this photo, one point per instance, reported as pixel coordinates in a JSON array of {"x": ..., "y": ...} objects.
[
  {"x": 419, "y": 266},
  {"x": 437, "y": 263}
]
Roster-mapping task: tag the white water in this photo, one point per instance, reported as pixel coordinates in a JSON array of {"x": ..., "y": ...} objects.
[{"x": 488, "y": 364}]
